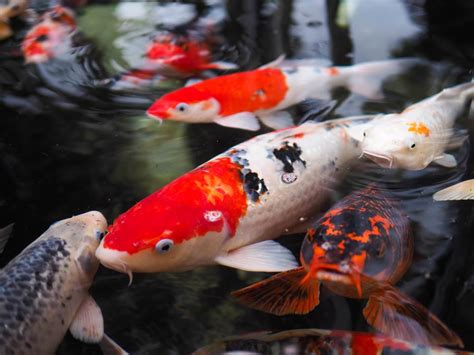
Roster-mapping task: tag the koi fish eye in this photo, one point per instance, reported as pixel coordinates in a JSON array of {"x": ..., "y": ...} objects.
[
  {"x": 365, "y": 134},
  {"x": 99, "y": 235},
  {"x": 164, "y": 246},
  {"x": 182, "y": 107},
  {"x": 413, "y": 146}
]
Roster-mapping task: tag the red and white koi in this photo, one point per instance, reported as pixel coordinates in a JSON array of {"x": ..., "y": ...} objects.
[
  {"x": 236, "y": 100},
  {"x": 51, "y": 37},
  {"x": 227, "y": 210},
  {"x": 421, "y": 133}
]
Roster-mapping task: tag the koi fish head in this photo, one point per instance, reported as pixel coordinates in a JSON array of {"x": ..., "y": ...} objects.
[
  {"x": 356, "y": 237},
  {"x": 179, "y": 227},
  {"x": 187, "y": 105},
  {"x": 398, "y": 144}
]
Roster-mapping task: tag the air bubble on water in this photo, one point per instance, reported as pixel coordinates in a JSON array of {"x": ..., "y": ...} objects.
[{"x": 212, "y": 216}]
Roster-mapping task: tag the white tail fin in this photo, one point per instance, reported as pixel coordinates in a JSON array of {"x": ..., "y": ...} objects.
[
  {"x": 461, "y": 191},
  {"x": 366, "y": 79}
]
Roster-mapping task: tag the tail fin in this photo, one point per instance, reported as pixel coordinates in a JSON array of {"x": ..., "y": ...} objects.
[
  {"x": 461, "y": 191},
  {"x": 366, "y": 79},
  {"x": 290, "y": 292},
  {"x": 400, "y": 316}
]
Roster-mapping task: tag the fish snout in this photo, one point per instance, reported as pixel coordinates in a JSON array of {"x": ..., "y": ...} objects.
[
  {"x": 114, "y": 260},
  {"x": 157, "y": 112},
  {"x": 382, "y": 160},
  {"x": 94, "y": 221}
]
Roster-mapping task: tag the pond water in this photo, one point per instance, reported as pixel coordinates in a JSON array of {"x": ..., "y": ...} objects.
[{"x": 69, "y": 145}]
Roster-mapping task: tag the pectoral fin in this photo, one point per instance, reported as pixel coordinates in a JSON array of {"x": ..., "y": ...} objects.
[
  {"x": 275, "y": 63},
  {"x": 266, "y": 256},
  {"x": 461, "y": 191},
  {"x": 400, "y": 316},
  {"x": 290, "y": 292},
  {"x": 5, "y": 234},
  {"x": 446, "y": 160},
  {"x": 88, "y": 324},
  {"x": 242, "y": 120},
  {"x": 277, "y": 120}
]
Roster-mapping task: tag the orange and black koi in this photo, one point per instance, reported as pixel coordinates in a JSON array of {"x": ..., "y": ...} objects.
[{"x": 358, "y": 249}]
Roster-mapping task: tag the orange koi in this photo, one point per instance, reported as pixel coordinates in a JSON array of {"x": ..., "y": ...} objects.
[
  {"x": 237, "y": 100},
  {"x": 358, "y": 249}
]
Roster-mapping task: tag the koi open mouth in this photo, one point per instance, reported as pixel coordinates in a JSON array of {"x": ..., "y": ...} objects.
[
  {"x": 334, "y": 274},
  {"x": 384, "y": 161}
]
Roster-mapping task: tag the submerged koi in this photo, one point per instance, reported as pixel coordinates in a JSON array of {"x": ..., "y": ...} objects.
[
  {"x": 227, "y": 210},
  {"x": 236, "y": 100},
  {"x": 170, "y": 56},
  {"x": 44, "y": 290},
  {"x": 51, "y": 37},
  {"x": 420, "y": 134},
  {"x": 318, "y": 341},
  {"x": 358, "y": 249},
  {"x": 181, "y": 56}
]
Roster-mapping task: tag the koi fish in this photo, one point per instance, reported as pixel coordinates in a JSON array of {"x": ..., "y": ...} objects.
[
  {"x": 181, "y": 56},
  {"x": 44, "y": 290},
  {"x": 420, "y": 134},
  {"x": 227, "y": 210},
  {"x": 358, "y": 249},
  {"x": 236, "y": 100},
  {"x": 317, "y": 341},
  {"x": 51, "y": 37}
]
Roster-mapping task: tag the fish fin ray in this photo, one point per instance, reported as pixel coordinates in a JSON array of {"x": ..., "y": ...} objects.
[
  {"x": 5, "y": 234},
  {"x": 446, "y": 160},
  {"x": 266, "y": 256},
  {"x": 460, "y": 191},
  {"x": 242, "y": 120},
  {"x": 274, "y": 63},
  {"x": 290, "y": 292},
  {"x": 277, "y": 120},
  {"x": 88, "y": 323},
  {"x": 110, "y": 347},
  {"x": 402, "y": 317}
]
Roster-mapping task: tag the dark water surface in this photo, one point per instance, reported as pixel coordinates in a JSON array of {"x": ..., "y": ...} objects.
[{"x": 68, "y": 146}]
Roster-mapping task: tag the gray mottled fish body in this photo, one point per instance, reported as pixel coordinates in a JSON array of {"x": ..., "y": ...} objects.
[{"x": 44, "y": 286}]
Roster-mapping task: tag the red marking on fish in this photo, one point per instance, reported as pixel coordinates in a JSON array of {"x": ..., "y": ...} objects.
[
  {"x": 180, "y": 210},
  {"x": 186, "y": 56},
  {"x": 255, "y": 90},
  {"x": 332, "y": 71}
]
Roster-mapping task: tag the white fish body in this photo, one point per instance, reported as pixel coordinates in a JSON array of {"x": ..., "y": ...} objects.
[
  {"x": 284, "y": 176},
  {"x": 420, "y": 134}
]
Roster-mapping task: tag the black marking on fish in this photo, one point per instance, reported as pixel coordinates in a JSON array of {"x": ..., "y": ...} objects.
[
  {"x": 26, "y": 291},
  {"x": 253, "y": 185},
  {"x": 238, "y": 157},
  {"x": 292, "y": 70},
  {"x": 288, "y": 155}
]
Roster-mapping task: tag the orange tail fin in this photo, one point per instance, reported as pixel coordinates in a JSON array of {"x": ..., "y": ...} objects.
[
  {"x": 289, "y": 292},
  {"x": 400, "y": 316}
]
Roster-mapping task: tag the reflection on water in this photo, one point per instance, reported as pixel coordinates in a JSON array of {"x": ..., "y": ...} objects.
[{"x": 68, "y": 145}]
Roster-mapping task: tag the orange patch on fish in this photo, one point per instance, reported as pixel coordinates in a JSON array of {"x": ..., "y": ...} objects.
[
  {"x": 204, "y": 200},
  {"x": 332, "y": 71},
  {"x": 251, "y": 91},
  {"x": 418, "y": 128}
]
